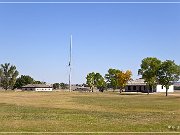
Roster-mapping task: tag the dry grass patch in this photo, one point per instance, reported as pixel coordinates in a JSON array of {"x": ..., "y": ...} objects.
[{"x": 87, "y": 112}]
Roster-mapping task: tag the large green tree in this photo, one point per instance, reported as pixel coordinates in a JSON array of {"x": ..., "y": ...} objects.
[
  {"x": 168, "y": 73},
  {"x": 111, "y": 78},
  {"x": 8, "y": 75},
  {"x": 95, "y": 80},
  {"x": 100, "y": 82},
  {"x": 23, "y": 80},
  {"x": 148, "y": 70},
  {"x": 90, "y": 80}
]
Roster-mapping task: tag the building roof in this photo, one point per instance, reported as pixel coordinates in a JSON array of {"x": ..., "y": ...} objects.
[
  {"x": 137, "y": 82},
  {"x": 143, "y": 83},
  {"x": 36, "y": 86}
]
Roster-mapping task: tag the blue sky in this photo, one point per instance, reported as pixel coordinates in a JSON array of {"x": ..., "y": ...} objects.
[{"x": 35, "y": 37}]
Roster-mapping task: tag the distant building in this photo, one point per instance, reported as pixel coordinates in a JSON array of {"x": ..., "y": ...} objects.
[
  {"x": 139, "y": 85},
  {"x": 177, "y": 84},
  {"x": 37, "y": 87},
  {"x": 82, "y": 89}
]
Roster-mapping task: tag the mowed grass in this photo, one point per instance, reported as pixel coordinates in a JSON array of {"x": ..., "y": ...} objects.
[{"x": 88, "y": 112}]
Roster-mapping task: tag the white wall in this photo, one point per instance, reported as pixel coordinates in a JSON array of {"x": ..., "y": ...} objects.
[
  {"x": 43, "y": 89},
  {"x": 159, "y": 88}
]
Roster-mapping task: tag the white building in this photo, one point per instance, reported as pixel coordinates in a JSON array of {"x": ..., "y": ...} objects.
[
  {"x": 139, "y": 85},
  {"x": 37, "y": 87},
  {"x": 160, "y": 88}
]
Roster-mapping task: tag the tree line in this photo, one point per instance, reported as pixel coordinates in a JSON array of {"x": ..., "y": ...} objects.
[
  {"x": 60, "y": 86},
  {"x": 155, "y": 71},
  {"x": 152, "y": 70},
  {"x": 9, "y": 77},
  {"x": 114, "y": 79}
]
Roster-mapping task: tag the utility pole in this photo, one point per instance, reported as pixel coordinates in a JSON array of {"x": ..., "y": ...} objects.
[{"x": 70, "y": 63}]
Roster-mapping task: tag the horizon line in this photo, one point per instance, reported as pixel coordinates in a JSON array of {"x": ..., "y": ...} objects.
[{"x": 89, "y": 2}]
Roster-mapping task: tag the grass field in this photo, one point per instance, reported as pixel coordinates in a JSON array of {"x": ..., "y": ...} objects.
[{"x": 88, "y": 112}]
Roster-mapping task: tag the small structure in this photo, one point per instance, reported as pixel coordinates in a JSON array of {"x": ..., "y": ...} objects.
[
  {"x": 160, "y": 88},
  {"x": 176, "y": 85},
  {"x": 139, "y": 85},
  {"x": 82, "y": 89},
  {"x": 37, "y": 87}
]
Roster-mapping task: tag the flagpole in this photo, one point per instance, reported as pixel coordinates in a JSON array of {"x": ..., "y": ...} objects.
[{"x": 70, "y": 62}]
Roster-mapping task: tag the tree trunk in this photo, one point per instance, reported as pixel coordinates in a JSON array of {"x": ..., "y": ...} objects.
[{"x": 166, "y": 91}]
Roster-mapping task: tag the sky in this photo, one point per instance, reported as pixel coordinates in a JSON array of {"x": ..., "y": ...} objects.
[{"x": 36, "y": 37}]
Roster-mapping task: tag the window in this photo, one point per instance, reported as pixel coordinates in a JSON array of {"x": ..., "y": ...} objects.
[
  {"x": 129, "y": 87},
  {"x": 162, "y": 87},
  {"x": 134, "y": 87}
]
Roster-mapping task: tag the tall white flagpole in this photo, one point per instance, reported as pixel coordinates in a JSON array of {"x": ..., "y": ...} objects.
[{"x": 70, "y": 62}]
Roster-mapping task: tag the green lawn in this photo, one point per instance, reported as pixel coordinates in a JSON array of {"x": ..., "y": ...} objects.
[{"x": 88, "y": 112}]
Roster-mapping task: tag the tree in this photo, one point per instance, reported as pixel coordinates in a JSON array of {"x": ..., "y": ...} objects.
[
  {"x": 56, "y": 86},
  {"x": 23, "y": 80},
  {"x": 90, "y": 80},
  {"x": 148, "y": 70},
  {"x": 168, "y": 73},
  {"x": 39, "y": 82},
  {"x": 99, "y": 82},
  {"x": 111, "y": 78},
  {"x": 96, "y": 80},
  {"x": 8, "y": 75},
  {"x": 63, "y": 86},
  {"x": 123, "y": 78}
]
